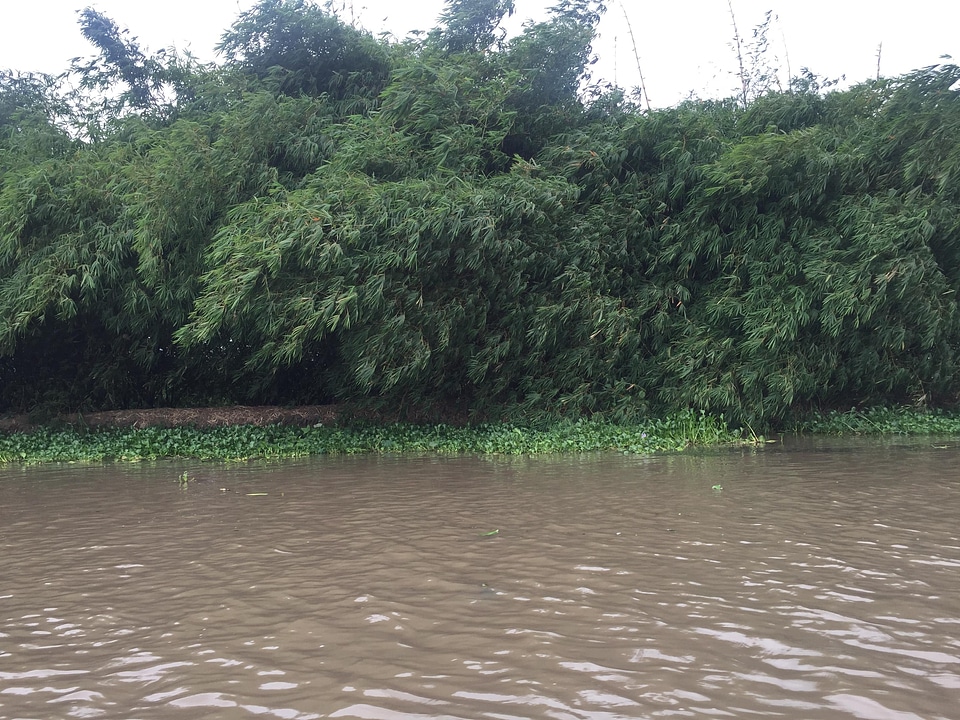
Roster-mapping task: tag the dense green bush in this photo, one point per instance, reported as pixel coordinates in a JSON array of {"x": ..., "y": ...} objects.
[{"x": 466, "y": 223}]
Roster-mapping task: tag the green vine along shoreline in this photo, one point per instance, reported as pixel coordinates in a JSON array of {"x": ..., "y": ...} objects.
[{"x": 247, "y": 442}]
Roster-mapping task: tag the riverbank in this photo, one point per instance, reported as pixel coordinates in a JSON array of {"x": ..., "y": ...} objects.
[
  {"x": 247, "y": 433},
  {"x": 880, "y": 421},
  {"x": 199, "y": 417}
]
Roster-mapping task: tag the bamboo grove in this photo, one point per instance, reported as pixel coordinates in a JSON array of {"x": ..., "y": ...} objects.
[{"x": 465, "y": 222}]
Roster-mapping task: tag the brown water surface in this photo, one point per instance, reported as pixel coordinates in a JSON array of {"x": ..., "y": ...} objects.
[{"x": 809, "y": 581}]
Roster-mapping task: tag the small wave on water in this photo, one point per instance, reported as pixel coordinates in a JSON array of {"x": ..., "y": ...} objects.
[{"x": 813, "y": 584}]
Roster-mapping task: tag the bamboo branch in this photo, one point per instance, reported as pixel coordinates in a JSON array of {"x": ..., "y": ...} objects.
[
  {"x": 636, "y": 56},
  {"x": 744, "y": 81}
]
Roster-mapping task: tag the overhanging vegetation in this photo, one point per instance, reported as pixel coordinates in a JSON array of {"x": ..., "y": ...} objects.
[{"x": 466, "y": 222}]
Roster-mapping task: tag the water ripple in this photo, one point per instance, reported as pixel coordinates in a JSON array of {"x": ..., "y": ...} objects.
[{"x": 818, "y": 584}]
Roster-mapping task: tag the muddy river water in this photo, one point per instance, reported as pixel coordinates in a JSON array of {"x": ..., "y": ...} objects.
[{"x": 808, "y": 580}]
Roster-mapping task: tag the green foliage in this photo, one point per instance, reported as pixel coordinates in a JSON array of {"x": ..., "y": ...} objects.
[
  {"x": 455, "y": 111},
  {"x": 553, "y": 55},
  {"x": 470, "y": 25},
  {"x": 303, "y": 50},
  {"x": 101, "y": 252},
  {"x": 466, "y": 224},
  {"x": 246, "y": 442},
  {"x": 811, "y": 286},
  {"x": 123, "y": 81},
  {"x": 551, "y": 61},
  {"x": 120, "y": 59},
  {"x": 31, "y": 105},
  {"x": 882, "y": 421}
]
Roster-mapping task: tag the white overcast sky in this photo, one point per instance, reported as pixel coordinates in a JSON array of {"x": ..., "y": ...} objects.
[{"x": 683, "y": 45}]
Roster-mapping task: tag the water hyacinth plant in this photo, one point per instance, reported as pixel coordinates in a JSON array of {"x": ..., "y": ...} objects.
[{"x": 245, "y": 442}]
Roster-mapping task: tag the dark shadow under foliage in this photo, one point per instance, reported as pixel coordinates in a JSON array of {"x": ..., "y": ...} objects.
[{"x": 466, "y": 223}]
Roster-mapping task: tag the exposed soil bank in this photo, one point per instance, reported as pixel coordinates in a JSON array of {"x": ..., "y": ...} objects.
[{"x": 173, "y": 417}]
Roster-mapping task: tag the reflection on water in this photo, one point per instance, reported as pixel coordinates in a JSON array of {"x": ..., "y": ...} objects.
[{"x": 817, "y": 581}]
